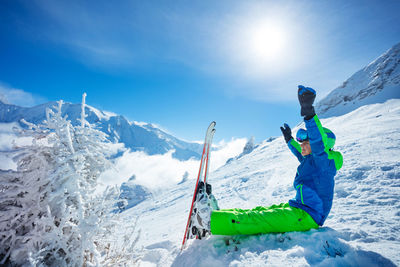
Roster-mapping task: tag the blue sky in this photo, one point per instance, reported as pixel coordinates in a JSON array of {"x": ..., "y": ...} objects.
[{"x": 182, "y": 64}]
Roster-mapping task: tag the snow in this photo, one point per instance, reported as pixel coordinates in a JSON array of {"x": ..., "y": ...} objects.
[
  {"x": 135, "y": 136},
  {"x": 133, "y": 193},
  {"x": 163, "y": 171},
  {"x": 140, "y": 123},
  {"x": 6, "y": 135},
  {"x": 376, "y": 83},
  {"x": 363, "y": 228},
  {"x": 47, "y": 205},
  {"x": 109, "y": 113},
  {"x": 6, "y": 162},
  {"x": 8, "y": 140},
  {"x": 3, "y": 98}
]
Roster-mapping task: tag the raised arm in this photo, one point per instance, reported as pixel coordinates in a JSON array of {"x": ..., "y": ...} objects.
[
  {"x": 316, "y": 134},
  {"x": 318, "y": 141},
  {"x": 292, "y": 144}
]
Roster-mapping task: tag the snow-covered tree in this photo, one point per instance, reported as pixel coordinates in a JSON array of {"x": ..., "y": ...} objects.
[
  {"x": 24, "y": 211},
  {"x": 49, "y": 212}
]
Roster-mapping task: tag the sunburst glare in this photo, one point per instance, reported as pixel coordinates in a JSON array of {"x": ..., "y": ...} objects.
[{"x": 265, "y": 42}]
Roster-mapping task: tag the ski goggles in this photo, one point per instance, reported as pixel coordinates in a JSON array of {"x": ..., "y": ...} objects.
[{"x": 302, "y": 135}]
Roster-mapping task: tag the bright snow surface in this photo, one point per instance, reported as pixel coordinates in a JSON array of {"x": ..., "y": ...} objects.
[
  {"x": 363, "y": 228},
  {"x": 375, "y": 83}
]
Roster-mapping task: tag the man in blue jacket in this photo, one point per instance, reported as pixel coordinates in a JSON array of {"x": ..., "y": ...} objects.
[{"x": 314, "y": 184}]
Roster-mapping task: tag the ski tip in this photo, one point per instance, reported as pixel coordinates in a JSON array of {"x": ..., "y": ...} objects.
[{"x": 211, "y": 126}]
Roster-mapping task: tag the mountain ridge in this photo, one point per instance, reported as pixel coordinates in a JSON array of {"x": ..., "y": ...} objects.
[
  {"x": 135, "y": 136},
  {"x": 362, "y": 228},
  {"x": 375, "y": 83}
]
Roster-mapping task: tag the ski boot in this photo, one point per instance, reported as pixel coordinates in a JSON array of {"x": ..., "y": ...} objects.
[{"x": 204, "y": 205}]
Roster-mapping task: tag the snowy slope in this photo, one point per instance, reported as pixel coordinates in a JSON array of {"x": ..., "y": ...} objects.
[
  {"x": 376, "y": 83},
  {"x": 363, "y": 228},
  {"x": 133, "y": 193},
  {"x": 136, "y": 136}
]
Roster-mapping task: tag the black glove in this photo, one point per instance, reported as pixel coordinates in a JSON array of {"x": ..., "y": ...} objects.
[
  {"x": 306, "y": 98},
  {"x": 287, "y": 132}
]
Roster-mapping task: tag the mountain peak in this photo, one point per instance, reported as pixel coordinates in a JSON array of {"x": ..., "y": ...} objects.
[
  {"x": 137, "y": 137},
  {"x": 375, "y": 83}
]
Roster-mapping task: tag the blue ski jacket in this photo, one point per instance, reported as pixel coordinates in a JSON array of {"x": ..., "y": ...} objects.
[{"x": 314, "y": 181}]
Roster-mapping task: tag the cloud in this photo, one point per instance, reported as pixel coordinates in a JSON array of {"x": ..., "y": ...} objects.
[
  {"x": 225, "y": 151},
  {"x": 213, "y": 41},
  {"x": 160, "y": 171},
  {"x": 236, "y": 47},
  {"x": 6, "y": 163},
  {"x": 10, "y": 95},
  {"x": 8, "y": 139},
  {"x": 155, "y": 171},
  {"x": 237, "y": 44}
]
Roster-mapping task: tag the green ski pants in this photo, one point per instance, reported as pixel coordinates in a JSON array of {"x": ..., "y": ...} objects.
[{"x": 261, "y": 220}]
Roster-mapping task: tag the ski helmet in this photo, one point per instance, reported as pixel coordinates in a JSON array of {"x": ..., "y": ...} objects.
[{"x": 302, "y": 135}]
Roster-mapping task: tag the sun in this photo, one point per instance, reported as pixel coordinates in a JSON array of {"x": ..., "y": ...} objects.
[
  {"x": 259, "y": 47},
  {"x": 265, "y": 42}
]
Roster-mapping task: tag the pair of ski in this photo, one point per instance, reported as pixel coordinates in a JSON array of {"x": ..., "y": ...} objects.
[{"x": 201, "y": 183}]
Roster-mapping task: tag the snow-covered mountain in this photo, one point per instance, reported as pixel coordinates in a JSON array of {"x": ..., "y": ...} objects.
[
  {"x": 136, "y": 136},
  {"x": 376, "y": 83},
  {"x": 363, "y": 228}
]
